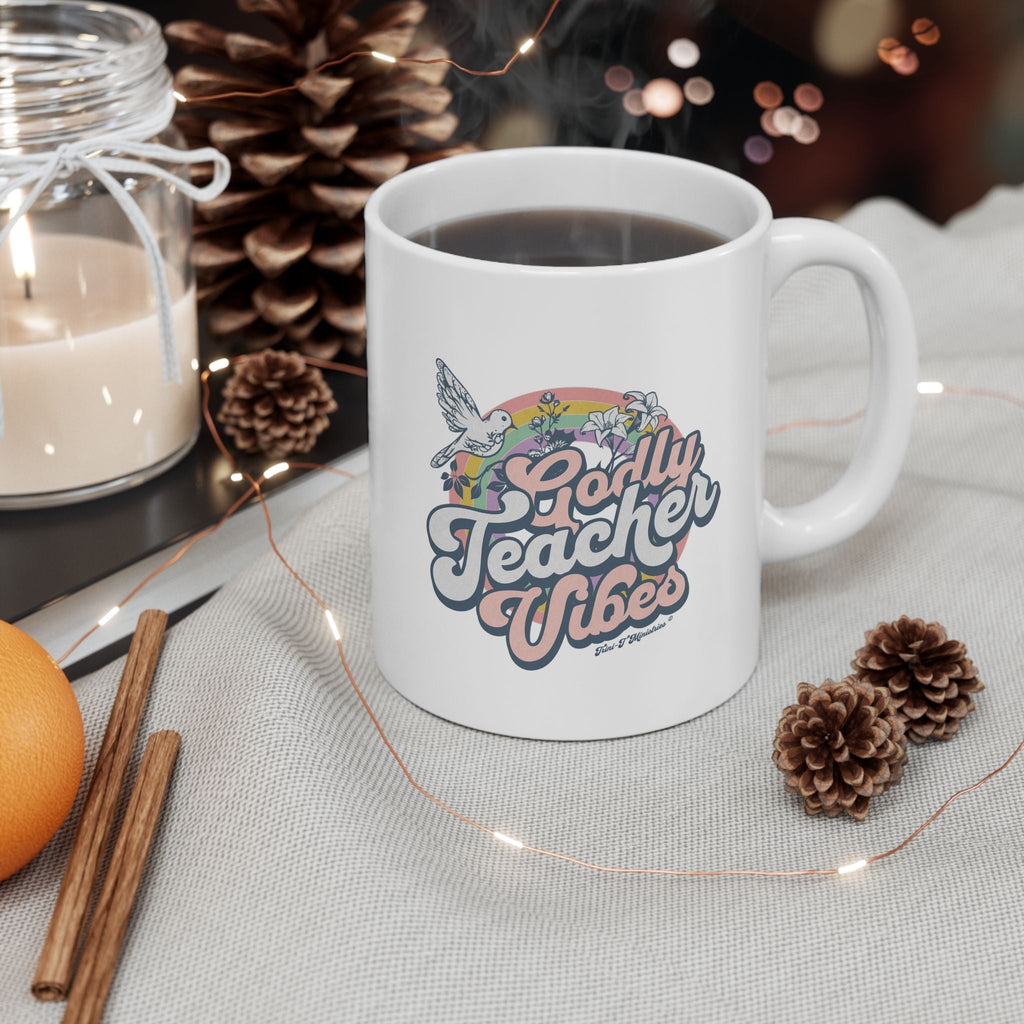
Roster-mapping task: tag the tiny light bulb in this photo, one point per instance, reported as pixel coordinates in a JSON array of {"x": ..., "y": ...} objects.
[
  {"x": 106, "y": 618},
  {"x": 219, "y": 364},
  {"x": 137, "y": 417},
  {"x": 277, "y": 467},
  {"x": 930, "y": 387},
  {"x": 384, "y": 56},
  {"x": 194, "y": 364},
  {"x": 332, "y": 624},
  {"x": 236, "y": 477},
  {"x": 526, "y": 45},
  {"x": 502, "y": 838},
  {"x": 855, "y": 866},
  {"x": 105, "y": 391},
  {"x": 179, "y": 97}
]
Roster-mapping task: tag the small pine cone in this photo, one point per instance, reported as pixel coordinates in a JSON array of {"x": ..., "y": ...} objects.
[
  {"x": 930, "y": 677},
  {"x": 840, "y": 745},
  {"x": 275, "y": 404}
]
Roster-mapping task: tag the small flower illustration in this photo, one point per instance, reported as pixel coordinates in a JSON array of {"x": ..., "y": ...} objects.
[
  {"x": 545, "y": 425},
  {"x": 604, "y": 422},
  {"x": 547, "y": 449},
  {"x": 645, "y": 409}
]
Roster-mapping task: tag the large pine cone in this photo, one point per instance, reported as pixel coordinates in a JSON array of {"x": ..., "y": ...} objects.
[
  {"x": 279, "y": 255},
  {"x": 275, "y": 404},
  {"x": 840, "y": 745},
  {"x": 930, "y": 677}
]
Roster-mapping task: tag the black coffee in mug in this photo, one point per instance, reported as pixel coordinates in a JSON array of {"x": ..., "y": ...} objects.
[{"x": 568, "y": 238}]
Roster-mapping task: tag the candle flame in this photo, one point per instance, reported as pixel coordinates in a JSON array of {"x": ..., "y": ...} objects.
[{"x": 23, "y": 255}]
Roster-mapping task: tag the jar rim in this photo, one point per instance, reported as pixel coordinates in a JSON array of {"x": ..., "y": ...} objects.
[
  {"x": 148, "y": 33},
  {"x": 71, "y": 69}
]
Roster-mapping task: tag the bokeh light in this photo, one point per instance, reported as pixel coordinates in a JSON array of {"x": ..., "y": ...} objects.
[
  {"x": 808, "y": 97},
  {"x": 698, "y": 91},
  {"x": 846, "y": 33},
  {"x": 786, "y": 120},
  {"x": 807, "y": 131},
  {"x": 896, "y": 54},
  {"x": 926, "y": 32},
  {"x": 758, "y": 150},
  {"x": 887, "y": 47},
  {"x": 768, "y": 124},
  {"x": 683, "y": 53},
  {"x": 767, "y": 95},
  {"x": 906, "y": 64},
  {"x": 633, "y": 101},
  {"x": 662, "y": 97},
  {"x": 618, "y": 78}
]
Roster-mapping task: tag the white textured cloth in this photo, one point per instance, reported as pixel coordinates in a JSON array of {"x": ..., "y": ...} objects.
[{"x": 297, "y": 876}]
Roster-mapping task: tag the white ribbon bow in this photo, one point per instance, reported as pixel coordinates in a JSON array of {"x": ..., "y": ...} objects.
[{"x": 36, "y": 171}]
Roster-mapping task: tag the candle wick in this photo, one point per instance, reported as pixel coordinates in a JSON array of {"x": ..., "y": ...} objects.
[{"x": 28, "y": 286}]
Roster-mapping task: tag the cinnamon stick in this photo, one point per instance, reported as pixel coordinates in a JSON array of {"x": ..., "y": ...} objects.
[
  {"x": 57, "y": 959},
  {"x": 110, "y": 919}
]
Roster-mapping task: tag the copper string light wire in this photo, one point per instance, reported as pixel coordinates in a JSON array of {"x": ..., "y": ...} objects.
[
  {"x": 932, "y": 387},
  {"x": 255, "y": 489},
  {"x": 180, "y": 553},
  {"x": 953, "y": 389},
  {"x": 800, "y": 424},
  {"x": 525, "y": 47}
]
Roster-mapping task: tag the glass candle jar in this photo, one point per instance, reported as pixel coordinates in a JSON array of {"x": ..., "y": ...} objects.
[{"x": 98, "y": 351}]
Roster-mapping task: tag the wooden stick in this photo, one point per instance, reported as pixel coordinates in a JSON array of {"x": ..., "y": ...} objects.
[
  {"x": 57, "y": 959},
  {"x": 110, "y": 919}
]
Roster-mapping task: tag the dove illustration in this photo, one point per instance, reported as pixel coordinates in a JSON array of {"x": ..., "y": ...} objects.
[{"x": 477, "y": 436}]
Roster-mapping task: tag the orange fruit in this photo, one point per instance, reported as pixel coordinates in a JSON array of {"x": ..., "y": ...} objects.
[{"x": 42, "y": 748}]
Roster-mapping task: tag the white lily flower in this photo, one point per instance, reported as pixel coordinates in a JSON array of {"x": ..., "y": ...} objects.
[
  {"x": 606, "y": 421},
  {"x": 645, "y": 409}
]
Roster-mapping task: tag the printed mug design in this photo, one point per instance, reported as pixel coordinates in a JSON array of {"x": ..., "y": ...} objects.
[{"x": 567, "y": 516}]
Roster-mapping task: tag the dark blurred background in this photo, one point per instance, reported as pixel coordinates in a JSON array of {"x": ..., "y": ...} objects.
[{"x": 920, "y": 100}]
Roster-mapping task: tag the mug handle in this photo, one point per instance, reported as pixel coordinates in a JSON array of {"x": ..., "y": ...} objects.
[{"x": 798, "y": 530}]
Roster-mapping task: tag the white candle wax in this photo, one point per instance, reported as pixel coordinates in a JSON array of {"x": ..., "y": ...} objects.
[{"x": 91, "y": 406}]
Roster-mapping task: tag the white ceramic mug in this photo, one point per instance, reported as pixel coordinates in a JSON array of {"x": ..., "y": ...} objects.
[{"x": 566, "y": 463}]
